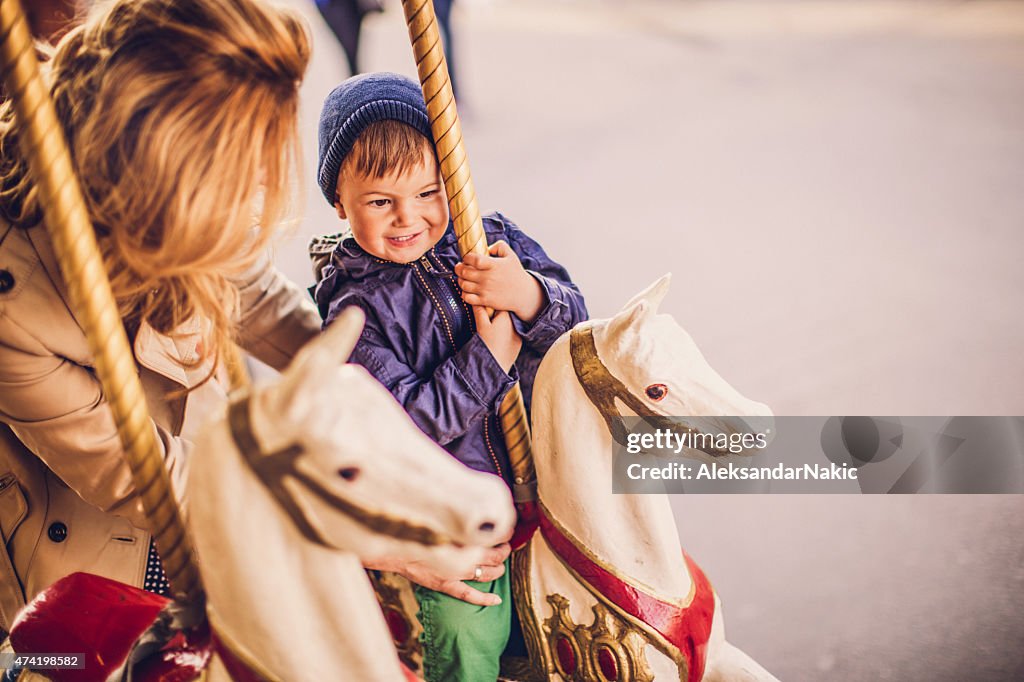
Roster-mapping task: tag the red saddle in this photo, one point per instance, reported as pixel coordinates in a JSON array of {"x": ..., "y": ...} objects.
[{"x": 102, "y": 619}]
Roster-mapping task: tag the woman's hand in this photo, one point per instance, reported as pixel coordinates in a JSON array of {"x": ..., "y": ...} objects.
[
  {"x": 491, "y": 568},
  {"x": 499, "y": 281},
  {"x": 499, "y": 336}
]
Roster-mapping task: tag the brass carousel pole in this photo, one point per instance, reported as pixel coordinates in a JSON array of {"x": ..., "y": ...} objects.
[
  {"x": 462, "y": 204},
  {"x": 66, "y": 218}
]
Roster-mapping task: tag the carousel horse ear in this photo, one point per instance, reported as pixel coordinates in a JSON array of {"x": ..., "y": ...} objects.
[
  {"x": 316, "y": 360},
  {"x": 628, "y": 321},
  {"x": 341, "y": 336},
  {"x": 654, "y": 294},
  {"x": 331, "y": 349},
  {"x": 640, "y": 308}
]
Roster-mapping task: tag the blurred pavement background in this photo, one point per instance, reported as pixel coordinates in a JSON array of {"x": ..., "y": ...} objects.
[{"x": 838, "y": 190}]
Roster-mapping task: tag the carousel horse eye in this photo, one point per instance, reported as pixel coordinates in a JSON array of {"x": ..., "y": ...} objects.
[
  {"x": 349, "y": 473},
  {"x": 657, "y": 391}
]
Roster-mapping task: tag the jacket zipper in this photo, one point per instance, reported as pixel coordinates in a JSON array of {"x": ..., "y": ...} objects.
[
  {"x": 452, "y": 293},
  {"x": 449, "y": 296},
  {"x": 424, "y": 265}
]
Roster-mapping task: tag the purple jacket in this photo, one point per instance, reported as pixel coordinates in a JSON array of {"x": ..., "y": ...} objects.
[{"x": 420, "y": 339}]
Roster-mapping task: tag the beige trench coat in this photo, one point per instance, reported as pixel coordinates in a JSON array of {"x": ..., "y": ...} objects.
[{"x": 66, "y": 498}]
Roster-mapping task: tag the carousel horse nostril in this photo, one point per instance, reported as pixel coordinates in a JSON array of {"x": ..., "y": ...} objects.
[
  {"x": 349, "y": 473},
  {"x": 487, "y": 527}
]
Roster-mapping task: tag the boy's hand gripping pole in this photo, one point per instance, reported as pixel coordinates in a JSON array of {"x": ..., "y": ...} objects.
[
  {"x": 92, "y": 300},
  {"x": 462, "y": 204}
]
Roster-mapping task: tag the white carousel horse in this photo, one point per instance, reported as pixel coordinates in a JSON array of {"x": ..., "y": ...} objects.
[
  {"x": 297, "y": 484},
  {"x": 303, "y": 609},
  {"x": 604, "y": 590}
]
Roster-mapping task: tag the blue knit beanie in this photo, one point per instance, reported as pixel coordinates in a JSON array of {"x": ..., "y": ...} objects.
[{"x": 354, "y": 105}]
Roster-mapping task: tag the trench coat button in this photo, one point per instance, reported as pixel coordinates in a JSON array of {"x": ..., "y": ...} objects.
[
  {"x": 6, "y": 281},
  {"x": 58, "y": 532}
]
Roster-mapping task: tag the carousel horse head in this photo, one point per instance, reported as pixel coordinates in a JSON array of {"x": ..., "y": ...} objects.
[
  {"x": 324, "y": 471},
  {"x": 303, "y": 479},
  {"x": 351, "y": 470},
  {"x": 649, "y": 365},
  {"x": 613, "y": 563}
]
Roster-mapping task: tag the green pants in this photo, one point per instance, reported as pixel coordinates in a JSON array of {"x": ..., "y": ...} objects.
[{"x": 463, "y": 642}]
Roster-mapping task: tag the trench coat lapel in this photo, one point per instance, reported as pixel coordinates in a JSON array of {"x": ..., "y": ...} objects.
[
  {"x": 40, "y": 239},
  {"x": 168, "y": 356},
  {"x": 174, "y": 355}
]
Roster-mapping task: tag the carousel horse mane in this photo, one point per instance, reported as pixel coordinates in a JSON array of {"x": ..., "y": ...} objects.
[{"x": 605, "y": 591}]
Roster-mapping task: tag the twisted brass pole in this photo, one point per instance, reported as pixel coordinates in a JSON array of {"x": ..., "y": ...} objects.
[
  {"x": 462, "y": 204},
  {"x": 74, "y": 241}
]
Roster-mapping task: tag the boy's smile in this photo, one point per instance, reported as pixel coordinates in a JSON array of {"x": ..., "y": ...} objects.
[{"x": 397, "y": 217}]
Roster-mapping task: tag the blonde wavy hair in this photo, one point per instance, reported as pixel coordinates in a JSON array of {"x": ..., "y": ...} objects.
[{"x": 181, "y": 116}]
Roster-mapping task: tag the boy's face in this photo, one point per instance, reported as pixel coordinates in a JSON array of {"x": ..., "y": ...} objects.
[{"x": 397, "y": 217}]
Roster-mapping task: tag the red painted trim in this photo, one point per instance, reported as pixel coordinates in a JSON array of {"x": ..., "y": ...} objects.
[
  {"x": 687, "y": 628},
  {"x": 526, "y": 524},
  {"x": 409, "y": 675}
]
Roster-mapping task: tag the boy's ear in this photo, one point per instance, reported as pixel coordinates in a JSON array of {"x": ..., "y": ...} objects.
[{"x": 340, "y": 208}]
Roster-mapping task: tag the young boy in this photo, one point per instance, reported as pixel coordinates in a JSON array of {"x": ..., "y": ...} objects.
[{"x": 425, "y": 339}]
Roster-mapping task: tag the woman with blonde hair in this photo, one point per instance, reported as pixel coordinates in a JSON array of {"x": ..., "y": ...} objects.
[{"x": 181, "y": 119}]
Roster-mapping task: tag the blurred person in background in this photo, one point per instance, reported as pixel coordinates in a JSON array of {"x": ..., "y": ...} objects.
[
  {"x": 345, "y": 19},
  {"x": 443, "y": 11}
]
